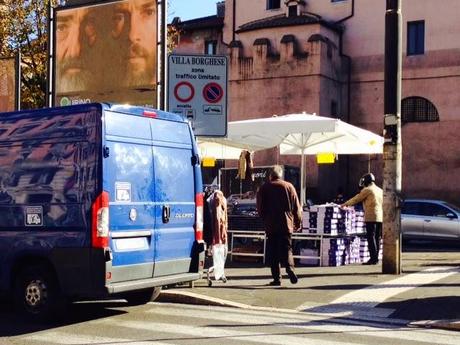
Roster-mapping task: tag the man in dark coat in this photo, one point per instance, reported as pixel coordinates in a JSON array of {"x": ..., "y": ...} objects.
[{"x": 279, "y": 207}]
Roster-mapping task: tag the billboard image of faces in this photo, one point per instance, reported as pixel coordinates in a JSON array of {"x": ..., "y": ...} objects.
[
  {"x": 7, "y": 84},
  {"x": 107, "y": 52}
]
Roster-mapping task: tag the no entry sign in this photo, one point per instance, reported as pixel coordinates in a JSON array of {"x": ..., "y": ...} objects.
[
  {"x": 198, "y": 90},
  {"x": 184, "y": 92}
]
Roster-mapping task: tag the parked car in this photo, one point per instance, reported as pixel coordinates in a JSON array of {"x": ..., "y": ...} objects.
[
  {"x": 430, "y": 219},
  {"x": 243, "y": 207},
  {"x": 242, "y": 204}
]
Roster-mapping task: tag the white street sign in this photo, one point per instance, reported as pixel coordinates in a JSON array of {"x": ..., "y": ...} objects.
[{"x": 197, "y": 89}]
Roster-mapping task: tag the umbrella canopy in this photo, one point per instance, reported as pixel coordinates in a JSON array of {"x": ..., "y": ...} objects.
[
  {"x": 343, "y": 139},
  {"x": 301, "y": 134}
]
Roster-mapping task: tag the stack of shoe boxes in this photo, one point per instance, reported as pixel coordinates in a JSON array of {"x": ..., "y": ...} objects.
[{"x": 344, "y": 227}]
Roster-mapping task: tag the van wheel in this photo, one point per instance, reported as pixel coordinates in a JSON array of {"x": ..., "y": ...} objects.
[
  {"x": 37, "y": 293},
  {"x": 143, "y": 296}
]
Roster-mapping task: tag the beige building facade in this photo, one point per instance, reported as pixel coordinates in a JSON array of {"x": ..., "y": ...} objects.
[{"x": 327, "y": 57}]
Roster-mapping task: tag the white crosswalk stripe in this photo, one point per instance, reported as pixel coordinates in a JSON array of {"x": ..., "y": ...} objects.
[
  {"x": 219, "y": 332},
  {"x": 379, "y": 293},
  {"x": 180, "y": 324},
  {"x": 315, "y": 324},
  {"x": 60, "y": 337},
  {"x": 363, "y": 302},
  {"x": 67, "y": 338}
]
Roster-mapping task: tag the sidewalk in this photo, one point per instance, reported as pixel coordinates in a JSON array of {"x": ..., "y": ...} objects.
[{"x": 426, "y": 295}]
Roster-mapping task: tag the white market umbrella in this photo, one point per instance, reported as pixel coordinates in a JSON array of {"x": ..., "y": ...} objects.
[
  {"x": 221, "y": 148},
  {"x": 299, "y": 134}
]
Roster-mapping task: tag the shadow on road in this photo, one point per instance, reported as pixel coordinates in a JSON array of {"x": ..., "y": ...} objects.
[
  {"x": 429, "y": 308},
  {"x": 301, "y": 276},
  {"x": 13, "y": 323}
]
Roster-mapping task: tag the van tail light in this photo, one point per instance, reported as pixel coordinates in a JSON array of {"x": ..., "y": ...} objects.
[
  {"x": 199, "y": 217},
  {"x": 100, "y": 221}
]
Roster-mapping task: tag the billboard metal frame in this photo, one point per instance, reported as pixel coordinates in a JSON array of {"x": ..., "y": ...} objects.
[{"x": 162, "y": 6}]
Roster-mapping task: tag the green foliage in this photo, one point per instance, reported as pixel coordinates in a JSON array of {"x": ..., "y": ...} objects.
[{"x": 23, "y": 25}]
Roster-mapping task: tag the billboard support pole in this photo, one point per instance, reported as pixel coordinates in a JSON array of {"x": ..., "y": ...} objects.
[
  {"x": 49, "y": 79},
  {"x": 17, "y": 97},
  {"x": 163, "y": 48}
]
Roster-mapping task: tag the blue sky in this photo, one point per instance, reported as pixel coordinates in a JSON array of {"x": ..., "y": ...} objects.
[{"x": 191, "y": 9}]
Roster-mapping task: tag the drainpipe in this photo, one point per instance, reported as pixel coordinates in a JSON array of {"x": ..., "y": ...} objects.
[
  {"x": 350, "y": 15},
  {"x": 234, "y": 21},
  {"x": 348, "y": 58},
  {"x": 340, "y": 21}
]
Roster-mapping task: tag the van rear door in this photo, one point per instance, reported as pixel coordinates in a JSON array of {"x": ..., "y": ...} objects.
[
  {"x": 128, "y": 177},
  {"x": 174, "y": 196}
]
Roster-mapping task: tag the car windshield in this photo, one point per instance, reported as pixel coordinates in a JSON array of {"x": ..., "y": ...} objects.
[{"x": 454, "y": 207}]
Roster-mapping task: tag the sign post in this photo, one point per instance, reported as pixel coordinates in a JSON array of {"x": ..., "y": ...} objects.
[{"x": 198, "y": 91}]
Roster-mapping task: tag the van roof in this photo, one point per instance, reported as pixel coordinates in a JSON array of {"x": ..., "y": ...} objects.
[{"x": 120, "y": 108}]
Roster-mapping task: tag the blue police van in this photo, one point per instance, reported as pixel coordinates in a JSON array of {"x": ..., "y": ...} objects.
[{"x": 97, "y": 200}]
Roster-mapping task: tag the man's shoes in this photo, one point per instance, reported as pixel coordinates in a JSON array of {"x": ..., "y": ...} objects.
[
  {"x": 275, "y": 283},
  {"x": 292, "y": 277},
  {"x": 371, "y": 262}
]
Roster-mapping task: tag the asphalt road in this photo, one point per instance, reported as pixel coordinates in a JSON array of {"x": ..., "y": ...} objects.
[
  {"x": 290, "y": 314},
  {"x": 113, "y": 323}
]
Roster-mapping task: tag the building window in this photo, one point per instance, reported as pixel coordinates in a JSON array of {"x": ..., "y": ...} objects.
[
  {"x": 334, "y": 109},
  {"x": 418, "y": 109},
  {"x": 210, "y": 47},
  {"x": 292, "y": 11},
  {"x": 416, "y": 37},
  {"x": 273, "y": 4}
]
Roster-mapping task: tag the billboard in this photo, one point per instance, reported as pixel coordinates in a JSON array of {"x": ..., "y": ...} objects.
[
  {"x": 106, "y": 52},
  {"x": 7, "y": 84}
]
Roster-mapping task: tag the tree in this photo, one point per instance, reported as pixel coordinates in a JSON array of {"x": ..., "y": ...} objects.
[{"x": 23, "y": 26}]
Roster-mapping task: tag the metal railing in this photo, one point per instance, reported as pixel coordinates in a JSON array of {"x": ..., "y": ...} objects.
[{"x": 260, "y": 235}]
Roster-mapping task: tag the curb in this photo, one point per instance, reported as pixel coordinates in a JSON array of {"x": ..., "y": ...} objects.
[
  {"x": 186, "y": 297},
  {"x": 450, "y": 325}
]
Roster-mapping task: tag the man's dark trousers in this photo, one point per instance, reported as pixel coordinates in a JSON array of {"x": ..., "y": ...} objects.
[
  {"x": 279, "y": 252},
  {"x": 373, "y": 235}
]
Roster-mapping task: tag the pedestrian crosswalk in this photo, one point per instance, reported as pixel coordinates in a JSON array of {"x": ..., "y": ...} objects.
[
  {"x": 168, "y": 324},
  {"x": 363, "y": 303}
]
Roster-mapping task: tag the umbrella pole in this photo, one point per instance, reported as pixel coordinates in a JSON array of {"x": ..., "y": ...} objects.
[{"x": 302, "y": 179}]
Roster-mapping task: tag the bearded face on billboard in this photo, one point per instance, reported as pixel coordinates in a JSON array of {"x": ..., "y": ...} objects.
[
  {"x": 76, "y": 38},
  {"x": 104, "y": 51},
  {"x": 137, "y": 46}
]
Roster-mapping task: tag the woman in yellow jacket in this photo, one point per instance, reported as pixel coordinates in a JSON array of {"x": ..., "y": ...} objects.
[{"x": 372, "y": 198}]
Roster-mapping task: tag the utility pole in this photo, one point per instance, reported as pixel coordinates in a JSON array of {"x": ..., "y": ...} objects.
[{"x": 392, "y": 148}]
